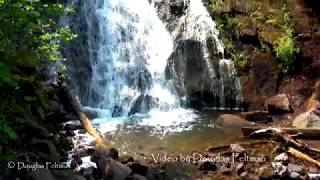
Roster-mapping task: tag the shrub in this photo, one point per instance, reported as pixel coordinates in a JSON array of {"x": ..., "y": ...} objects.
[{"x": 285, "y": 49}]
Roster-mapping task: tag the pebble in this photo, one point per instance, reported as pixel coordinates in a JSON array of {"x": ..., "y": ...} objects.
[
  {"x": 236, "y": 148},
  {"x": 283, "y": 157},
  {"x": 280, "y": 169},
  {"x": 296, "y": 168},
  {"x": 225, "y": 169},
  {"x": 240, "y": 168},
  {"x": 294, "y": 175},
  {"x": 207, "y": 166},
  {"x": 266, "y": 172}
]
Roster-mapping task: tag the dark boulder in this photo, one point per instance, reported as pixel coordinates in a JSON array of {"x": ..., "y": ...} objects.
[
  {"x": 45, "y": 149},
  {"x": 190, "y": 73},
  {"x": 143, "y": 104}
]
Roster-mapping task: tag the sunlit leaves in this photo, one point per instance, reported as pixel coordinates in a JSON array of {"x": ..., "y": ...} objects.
[{"x": 30, "y": 35}]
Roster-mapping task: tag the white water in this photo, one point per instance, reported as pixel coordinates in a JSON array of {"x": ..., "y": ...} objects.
[
  {"x": 198, "y": 25},
  {"x": 132, "y": 40},
  {"x": 129, "y": 49}
]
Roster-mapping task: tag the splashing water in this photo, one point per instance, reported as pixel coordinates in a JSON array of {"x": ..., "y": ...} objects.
[
  {"x": 199, "y": 26},
  {"x": 128, "y": 51}
]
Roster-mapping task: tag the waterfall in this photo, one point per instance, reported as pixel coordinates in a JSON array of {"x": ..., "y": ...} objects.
[
  {"x": 129, "y": 47},
  {"x": 118, "y": 64},
  {"x": 197, "y": 25}
]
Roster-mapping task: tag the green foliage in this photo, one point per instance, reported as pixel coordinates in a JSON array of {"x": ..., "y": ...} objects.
[
  {"x": 29, "y": 37},
  {"x": 216, "y": 6},
  {"x": 285, "y": 49},
  {"x": 273, "y": 21},
  {"x": 257, "y": 14},
  {"x": 240, "y": 60},
  {"x": 6, "y": 132},
  {"x": 285, "y": 46}
]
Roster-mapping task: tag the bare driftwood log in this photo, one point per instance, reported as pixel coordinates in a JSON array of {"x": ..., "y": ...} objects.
[
  {"x": 303, "y": 156},
  {"x": 286, "y": 140},
  {"x": 299, "y": 133},
  {"x": 101, "y": 143}
]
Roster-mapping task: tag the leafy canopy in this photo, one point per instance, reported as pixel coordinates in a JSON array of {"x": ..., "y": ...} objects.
[{"x": 30, "y": 36}]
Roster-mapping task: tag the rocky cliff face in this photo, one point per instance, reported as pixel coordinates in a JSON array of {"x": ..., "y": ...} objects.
[
  {"x": 253, "y": 28},
  {"x": 196, "y": 66}
]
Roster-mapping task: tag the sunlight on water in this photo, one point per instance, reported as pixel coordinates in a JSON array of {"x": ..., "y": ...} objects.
[{"x": 129, "y": 49}]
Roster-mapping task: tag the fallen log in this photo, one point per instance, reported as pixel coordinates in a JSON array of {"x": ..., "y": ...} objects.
[
  {"x": 285, "y": 140},
  {"x": 101, "y": 142},
  {"x": 303, "y": 156},
  {"x": 312, "y": 134},
  {"x": 243, "y": 144}
]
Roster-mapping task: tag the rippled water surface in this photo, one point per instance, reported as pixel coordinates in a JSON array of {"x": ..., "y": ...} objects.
[{"x": 186, "y": 137}]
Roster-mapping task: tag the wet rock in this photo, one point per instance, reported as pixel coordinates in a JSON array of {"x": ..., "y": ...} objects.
[
  {"x": 232, "y": 121},
  {"x": 143, "y": 104},
  {"x": 236, "y": 148},
  {"x": 90, "y": 112},
  {"x": 196, "y": 84},
  {"x": 66, "y": 174},
  {"x": 125, "y": 159},
  {"x": 283, "y": 157},
  {"x": 170, "y": 11},
  {"x": 262, "y": 81},
  {"x": 247, "y": 176},
  {"x": 257, "y": 116},
  {"x": 240, "y": 168},
  {"x": 280, "y": 169},
  {"x": 72, "y": 127},
  {"x": 40, "y": 174},
  {"x": 309, "y": 119},
  {"x": 113, "y": 153},
  {"x": 296, "y": 168},
  {"x": 88, "y": 171},
  {"x": 64, "y": 156},
  {"x": 312, "y": 103},
  {"x": 84, "y": 151},
  {"x": 138, "y": 177},
  {"x": 207, "y": 166},
  {"x": 139, "y": 169},
  {"x": 66, "y": 143},
  {"x": 82, "y": 131},
  {"x": 117, "y": 111},
  {"x": 244, "y": 174},
  {"x": 76, "y": 161},
  {"x": 225, "y": 169},
  {"x": 70, "y": 133},
  {"x": 109, "y": 168},
  {"x": 45, "y": 149},
  {"x": 266, "y": 172},
  {"x": 56, "y": 107},
  {"x": 119, "y": 171},
  {"x": 278, "y": 104},
  {"x": 294, "y": 175},
  {"x": 317, "y": 90}
]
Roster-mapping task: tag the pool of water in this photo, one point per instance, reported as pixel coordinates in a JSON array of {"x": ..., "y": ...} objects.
[{"x": 197, "y": 135}]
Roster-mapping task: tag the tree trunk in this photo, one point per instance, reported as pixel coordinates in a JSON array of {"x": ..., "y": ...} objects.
[{"x": 101, "y": 142}]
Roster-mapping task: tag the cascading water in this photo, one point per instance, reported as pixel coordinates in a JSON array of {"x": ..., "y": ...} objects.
[
  {"x": 197, "y": 25},
  {"x": 129, "y": 51},
  {"x": 128, "y": 48}
]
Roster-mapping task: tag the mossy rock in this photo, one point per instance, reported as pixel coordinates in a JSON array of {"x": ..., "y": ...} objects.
[{"x": 269, "y": 33}]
